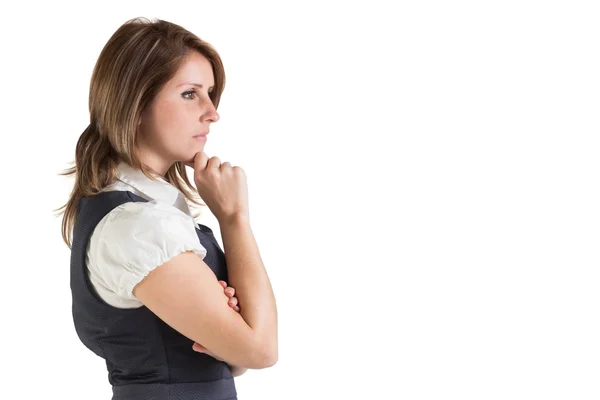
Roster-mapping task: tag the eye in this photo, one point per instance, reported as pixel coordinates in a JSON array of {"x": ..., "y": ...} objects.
[
  {"x": 194, "y": 93},
  {"x": 188, "y": 92}
]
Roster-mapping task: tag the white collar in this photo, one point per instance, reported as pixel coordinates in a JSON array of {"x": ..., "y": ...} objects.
[{"x": 159, "y": 191}]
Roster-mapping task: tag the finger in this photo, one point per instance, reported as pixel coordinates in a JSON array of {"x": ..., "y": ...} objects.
[
  {"x": 191, "y": 161},
  {"x": 237, "y": 308},
  {"x": 230, "y": 291},
  {"x": 223, "y": 283},
  {"x": 200, "y": 161},
  {"x": 198, "y": 347},
  {"x": 233, "y": 301},
  {"x": 213, "y": 162}
]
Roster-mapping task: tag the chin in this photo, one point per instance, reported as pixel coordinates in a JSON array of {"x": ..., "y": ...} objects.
[{"x": 188, "y": 156}]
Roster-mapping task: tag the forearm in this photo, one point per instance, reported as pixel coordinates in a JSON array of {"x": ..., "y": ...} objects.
[{"x": 247, "y": 274}]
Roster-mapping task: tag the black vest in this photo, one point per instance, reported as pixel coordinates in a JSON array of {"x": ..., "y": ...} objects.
[{"x": 145, "y": 357}]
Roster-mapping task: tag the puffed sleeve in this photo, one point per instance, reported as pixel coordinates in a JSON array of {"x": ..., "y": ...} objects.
[{"x": 137, "y": 237}]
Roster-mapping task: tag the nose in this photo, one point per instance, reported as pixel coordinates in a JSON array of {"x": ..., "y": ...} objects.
[{"x": 211, "y": 115}]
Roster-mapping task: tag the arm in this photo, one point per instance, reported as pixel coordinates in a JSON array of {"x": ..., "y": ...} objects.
[
  {"x": 185, "y": 293},
  {"x": 253, "y": 289},
  {"x": 233, "y": 303},
  {"x": 237, "y": 371}
]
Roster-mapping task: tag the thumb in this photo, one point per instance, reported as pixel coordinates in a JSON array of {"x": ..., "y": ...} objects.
[
  {"x": 199, "y": 348},
  {"x": 189, "y": 163}
]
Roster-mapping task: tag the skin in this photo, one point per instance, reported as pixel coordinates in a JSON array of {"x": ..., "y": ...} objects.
[
  {"x": 178, "y": 112},
  {"x": 233, "y": 303},
  {"x": 167, "y": 128}
]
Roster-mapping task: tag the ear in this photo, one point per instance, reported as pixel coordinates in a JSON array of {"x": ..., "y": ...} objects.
[{"x": 140, "y": 117}]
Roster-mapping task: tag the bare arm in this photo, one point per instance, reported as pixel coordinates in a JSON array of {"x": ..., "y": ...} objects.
[
  {"x": 185, "y": 293},
  {"x": 237, "y": 371},
  {"x": 253, "y": 288}
]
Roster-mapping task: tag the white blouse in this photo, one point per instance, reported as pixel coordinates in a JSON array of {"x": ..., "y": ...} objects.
[{"x": 136, "y": 237}]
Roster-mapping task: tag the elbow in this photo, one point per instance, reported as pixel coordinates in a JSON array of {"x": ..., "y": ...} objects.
[
  {"x": 271, "y": 358},
  {"x": 266, "y": 358},
  {"x": 267, "y": 361}
]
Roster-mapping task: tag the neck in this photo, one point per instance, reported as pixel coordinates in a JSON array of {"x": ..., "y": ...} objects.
[{"x": 157, "y": 164}]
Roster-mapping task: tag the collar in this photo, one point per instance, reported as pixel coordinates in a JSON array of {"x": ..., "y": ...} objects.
[{"x": 160, "y": 190}]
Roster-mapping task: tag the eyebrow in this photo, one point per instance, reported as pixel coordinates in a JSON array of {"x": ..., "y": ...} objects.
[{"x": 195, "y": 84}]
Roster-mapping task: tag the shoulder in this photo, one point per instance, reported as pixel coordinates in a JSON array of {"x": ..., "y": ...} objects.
[
  {"x": 136, "y": 237},
  {"x": 139, "y": 216}
]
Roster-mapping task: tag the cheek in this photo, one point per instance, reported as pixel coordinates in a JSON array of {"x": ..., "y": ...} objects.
[
  {"x": 171, "y": 124},
  {"x": 168, "y": 116}
]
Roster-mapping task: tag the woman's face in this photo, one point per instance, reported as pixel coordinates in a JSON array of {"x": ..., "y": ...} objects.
[{"x": 182, "y": 110}]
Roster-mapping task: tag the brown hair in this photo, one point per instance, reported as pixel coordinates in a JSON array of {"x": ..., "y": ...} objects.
[{"x": 136, "y": 62}]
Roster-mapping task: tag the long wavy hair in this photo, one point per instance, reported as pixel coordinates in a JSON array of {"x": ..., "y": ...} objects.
[{"x": 136, "y": 62}]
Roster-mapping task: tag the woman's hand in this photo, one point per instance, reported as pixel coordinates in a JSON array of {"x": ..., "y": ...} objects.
[
  {"x": 221, "y": 186},
  {"x": 233, "y": 303}
]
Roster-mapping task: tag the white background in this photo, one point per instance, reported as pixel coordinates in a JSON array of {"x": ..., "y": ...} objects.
[{"x": 423, "y": 182}]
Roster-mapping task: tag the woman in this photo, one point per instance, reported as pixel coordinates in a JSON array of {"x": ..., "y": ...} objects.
[{"x": 149, "y": 284}]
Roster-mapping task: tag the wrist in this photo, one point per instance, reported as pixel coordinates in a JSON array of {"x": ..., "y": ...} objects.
[{"x": 235, "y": 219}]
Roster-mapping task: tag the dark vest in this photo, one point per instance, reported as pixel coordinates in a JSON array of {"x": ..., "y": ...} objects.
[{"x": 145, "y": 357}]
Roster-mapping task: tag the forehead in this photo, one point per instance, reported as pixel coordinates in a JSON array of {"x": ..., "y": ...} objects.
[{"x": 196, "y": 68}]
